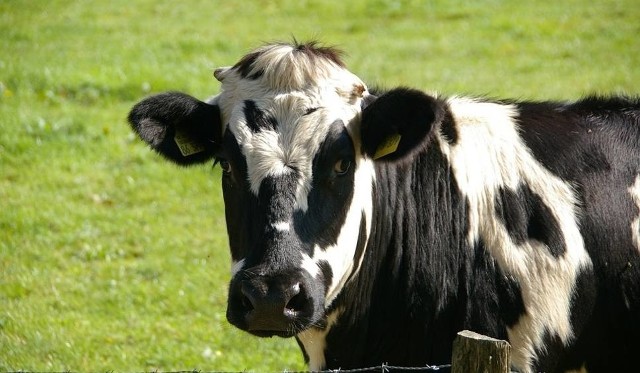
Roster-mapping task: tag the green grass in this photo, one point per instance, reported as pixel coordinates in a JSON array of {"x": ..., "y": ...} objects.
[{"x": 112, "y": 259}]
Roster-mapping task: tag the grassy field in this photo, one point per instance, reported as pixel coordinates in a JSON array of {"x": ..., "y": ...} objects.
[{"x": 112, "y": 259}]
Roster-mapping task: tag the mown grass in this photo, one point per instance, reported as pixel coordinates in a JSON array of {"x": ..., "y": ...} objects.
[{"x": 113, "y": 260}]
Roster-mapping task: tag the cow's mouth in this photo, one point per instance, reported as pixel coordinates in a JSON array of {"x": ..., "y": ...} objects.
[
  {"x": 286, "y": 324},
  {"x": 264, "y": 325},
  {"x": 272, "y": 333}
]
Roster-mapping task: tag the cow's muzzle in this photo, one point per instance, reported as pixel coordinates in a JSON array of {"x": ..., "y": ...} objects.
[{"x": 281, "y": 305}]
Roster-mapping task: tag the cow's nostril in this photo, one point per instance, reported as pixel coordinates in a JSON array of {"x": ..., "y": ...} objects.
[
  {"x": 296, "y": 304},
  {"x": 246, "y": 303},
  {"x": 247, "y": 299},
  {"x": 298, "y": 299}
]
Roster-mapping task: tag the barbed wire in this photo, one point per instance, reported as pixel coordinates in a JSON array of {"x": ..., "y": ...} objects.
[{"x": 383, "y": 368}]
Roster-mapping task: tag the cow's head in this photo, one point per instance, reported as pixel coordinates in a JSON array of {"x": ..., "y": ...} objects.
[{"x": 296, "y": 135}]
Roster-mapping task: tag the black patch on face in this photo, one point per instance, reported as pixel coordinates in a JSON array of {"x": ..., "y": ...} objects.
[
  {"x": 245, "y": 66},
  {"x": 526, "y": 216},
  {"x": 256, "y": 119},
  {"x": 331, "y": 194},
  {"x": 277, "y": 196},
  {"x": 243, "y": 223},
  {"x": 313, "y": 49},
  {"x": 448, "y": 128}
]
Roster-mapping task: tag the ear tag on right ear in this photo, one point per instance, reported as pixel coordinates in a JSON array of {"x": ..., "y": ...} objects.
[
  {"x": 186, "y": 145},
  {"x": 388, "y": 146}
]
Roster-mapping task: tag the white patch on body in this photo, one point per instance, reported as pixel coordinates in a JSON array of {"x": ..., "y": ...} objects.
[
  {"x": 634, "y": 190},
  {"x": 489, "y": 155},
  {"x": 314, "y": 342}
]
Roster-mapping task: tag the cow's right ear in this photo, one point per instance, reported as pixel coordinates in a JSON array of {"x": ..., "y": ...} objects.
[
  {"x": 399, "y": 123},
  {"x": 182, "y": 128}
]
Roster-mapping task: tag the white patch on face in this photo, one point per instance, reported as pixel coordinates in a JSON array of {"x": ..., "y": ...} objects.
[
  {"x": 310, "y": 266},
  {"x": 489, "y": 155},
  {"x": 341, "y": 256},
  {"x": 635, "y": 224},
  {"x": 282, "y": 226},
  {"x": 237, "y": 267},
  {"x": 314, "y": 342}
]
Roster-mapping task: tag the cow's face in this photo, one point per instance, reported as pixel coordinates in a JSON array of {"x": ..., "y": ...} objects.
[
  {"x": 291, "y": 167},
  {"x": 296, "y": 152}
]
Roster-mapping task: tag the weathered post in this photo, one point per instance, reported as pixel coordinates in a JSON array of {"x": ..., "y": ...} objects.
[{"x": 473, "y": 352}]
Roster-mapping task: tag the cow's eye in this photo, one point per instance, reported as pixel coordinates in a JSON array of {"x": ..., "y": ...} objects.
[
  {"x": 341, "y": 167},
  {"x": 225, "y": 165}
]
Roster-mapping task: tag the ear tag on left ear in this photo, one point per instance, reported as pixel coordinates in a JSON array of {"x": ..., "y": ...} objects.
[
  {"x": 186, "y": 145},
  {"x": 388, "y": 146}
]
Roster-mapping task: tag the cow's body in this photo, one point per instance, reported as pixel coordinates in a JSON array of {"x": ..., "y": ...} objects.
[{"x": 516, "y": 220}]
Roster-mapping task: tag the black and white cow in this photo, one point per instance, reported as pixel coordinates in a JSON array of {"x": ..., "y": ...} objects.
[{"x": 374, "y": 226}]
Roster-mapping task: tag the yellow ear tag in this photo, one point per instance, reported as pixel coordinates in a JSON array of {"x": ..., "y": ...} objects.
[
  {"x": 388, "y": 146},
  {"x": 186, "y": 146}
]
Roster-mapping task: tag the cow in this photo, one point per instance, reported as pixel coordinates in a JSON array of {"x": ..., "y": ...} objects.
[{"x": 373, "y": 225}]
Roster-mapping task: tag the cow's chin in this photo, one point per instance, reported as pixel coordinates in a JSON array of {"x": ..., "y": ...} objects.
[
  {"x": 285, "y": 326},
  {"x": 277, "y": 328},
  {"x": 272, "y": 333}
]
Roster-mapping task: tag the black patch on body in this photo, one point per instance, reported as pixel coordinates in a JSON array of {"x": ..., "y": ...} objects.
[
  {"x": 362, "y": 239},
  {"x": 449, "y": 129},
  {"x": 510, "y": 295},
  {"x": 526, "y": 216},
  {"x": 327, "y": 274}
]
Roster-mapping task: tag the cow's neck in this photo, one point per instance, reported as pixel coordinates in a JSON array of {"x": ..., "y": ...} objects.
[{"x": 409, "y": 277}]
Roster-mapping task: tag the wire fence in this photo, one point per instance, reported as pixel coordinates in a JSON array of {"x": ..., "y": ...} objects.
[
  {"x": 383, "y": 368},
  {"x": 472, "y": 352}
]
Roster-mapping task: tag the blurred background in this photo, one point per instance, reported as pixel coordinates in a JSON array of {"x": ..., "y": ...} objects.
[{"x": 112, "y": 259}]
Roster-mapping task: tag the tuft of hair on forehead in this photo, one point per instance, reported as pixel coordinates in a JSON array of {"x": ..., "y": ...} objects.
[{"x": 285, "y": 66}]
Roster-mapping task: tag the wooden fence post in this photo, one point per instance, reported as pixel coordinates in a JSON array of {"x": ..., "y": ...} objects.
[{"x": 473, "y": 352}]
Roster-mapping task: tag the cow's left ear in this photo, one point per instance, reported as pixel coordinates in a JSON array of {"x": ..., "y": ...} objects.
[
  {"x": 182, "y": 128},
  {"x": 399, "y": 123}
]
